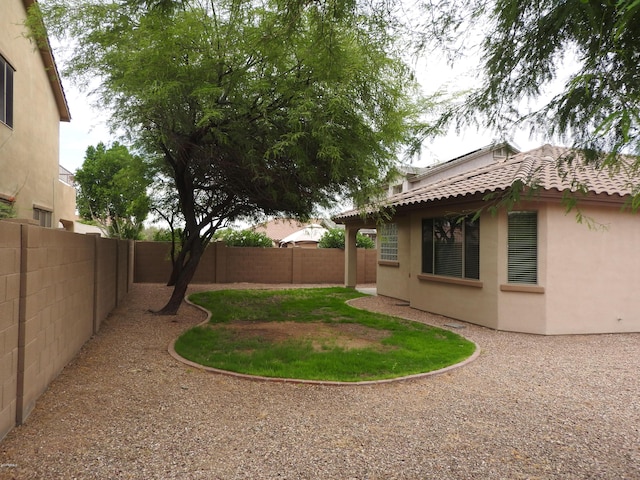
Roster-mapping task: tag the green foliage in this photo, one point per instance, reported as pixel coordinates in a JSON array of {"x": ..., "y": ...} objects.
[
  {"x": 112, "y": 190},
  {"x": 244, "y": 238},
  {"x": 319, "y": 86},
  {"x": 525, "y": 50},
  {"x": 395, "y": 347},
  {"x": 7, "y": 210},
  {"x": 166, "y": 235},
  {"x": 334, "y": 238}
]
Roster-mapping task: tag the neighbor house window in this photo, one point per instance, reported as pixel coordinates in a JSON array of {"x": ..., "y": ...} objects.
[
  {"x": 522, "y": 261},
  {"x": 389, "y": 242},
  {"x": 42, "y": 216},
  {"x": 6, "y": 92},
  {"x": 451, "y": 247}
]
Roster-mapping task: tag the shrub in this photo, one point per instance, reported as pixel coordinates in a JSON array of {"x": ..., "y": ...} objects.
[
  {"x": 334, "y": 238},
  {"x": 7, "y": 210},
  {"x": 164, "y": 235},
  {"x": 244, "y": 238}
]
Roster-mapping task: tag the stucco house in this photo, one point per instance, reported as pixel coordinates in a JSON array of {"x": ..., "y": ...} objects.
[
  {"x": 531, "y": 268},
  {"x": 32, "y": 105}
]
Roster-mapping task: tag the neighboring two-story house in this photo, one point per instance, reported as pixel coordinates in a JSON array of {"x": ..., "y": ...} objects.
[
  {"x": 32, "y": 105},
  {"x": 410, "y": 177}
]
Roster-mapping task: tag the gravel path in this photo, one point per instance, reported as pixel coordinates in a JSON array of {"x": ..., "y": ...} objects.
[{"x": 529, "y": 407}]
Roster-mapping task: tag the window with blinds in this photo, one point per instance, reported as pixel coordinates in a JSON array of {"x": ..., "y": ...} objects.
[
  {"x": 6, "y": 93},
  {"x": 522, "y": 262},
  {"x": 451, "y": 247},
  {"x": 388, "y": 233}
]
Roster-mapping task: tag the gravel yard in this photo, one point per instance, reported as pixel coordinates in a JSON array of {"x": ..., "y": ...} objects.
[{"x": 529, "y": 407}]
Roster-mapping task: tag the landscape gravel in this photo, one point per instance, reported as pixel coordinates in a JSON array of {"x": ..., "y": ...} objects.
[{"x": 529, "y": 407}]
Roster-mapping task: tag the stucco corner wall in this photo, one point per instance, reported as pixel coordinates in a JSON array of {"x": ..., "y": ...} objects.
[{"x": 595, "y": 285}]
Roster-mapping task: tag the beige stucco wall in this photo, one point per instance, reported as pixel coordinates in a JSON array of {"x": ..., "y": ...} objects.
[
  {"x": 29, "y": 152},
  {"x": 463, "y": 302},
  {"x": 65, "y": 205},
  {"x": 593, "y": 284},
  {"x": 393, "y": 279},
  {"x": 588, "y": 278},
  {"x": 448, "y": 170},
  {"x": 526, "y": 310}
]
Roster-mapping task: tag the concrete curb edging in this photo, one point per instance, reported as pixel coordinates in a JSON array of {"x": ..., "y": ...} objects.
[{"x": 176, "y": 356}]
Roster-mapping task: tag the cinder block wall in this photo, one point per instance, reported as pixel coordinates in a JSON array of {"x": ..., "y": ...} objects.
[
  {"x": 367, "y": 265},
  {"x": 206, "y": 271},
  {"x": 255, "y": 265},
  {"x": 55, "y": 289},
  {"x": 123, "y": 281},
  {"x": 152, "y": 263},
  {"x": 9, "y": 311},
  {"x": 57, "y": 318},
  {"x": 222, "y": 264},
  {"x": 106, "y": 278},
  {"x": 320, "y": 265}
]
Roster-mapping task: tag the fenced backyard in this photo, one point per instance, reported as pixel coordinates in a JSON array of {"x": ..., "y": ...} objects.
[{"x": 56, "y": 288}]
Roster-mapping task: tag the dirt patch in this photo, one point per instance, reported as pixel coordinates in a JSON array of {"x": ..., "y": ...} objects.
[{"x": 321, "y": 335}]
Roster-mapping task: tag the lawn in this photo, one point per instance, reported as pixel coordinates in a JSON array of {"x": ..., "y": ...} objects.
[{"x": 313, "y": 334}]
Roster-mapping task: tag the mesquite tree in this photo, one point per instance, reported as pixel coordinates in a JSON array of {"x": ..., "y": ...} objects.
[{"x": 273, "y": 106}]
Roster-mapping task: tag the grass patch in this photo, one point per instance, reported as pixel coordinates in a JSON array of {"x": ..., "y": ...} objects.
[{"x": 313, "y": 334}]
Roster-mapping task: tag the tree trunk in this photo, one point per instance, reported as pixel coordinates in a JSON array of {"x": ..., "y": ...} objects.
[
  {"x": 178, "y": 264},
  {"x": 183, "y": 277}
]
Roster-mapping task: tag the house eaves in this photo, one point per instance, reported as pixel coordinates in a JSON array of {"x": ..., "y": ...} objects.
[
  {"x": 534, "y": 169},
  {"x": 52, "y": 72}
]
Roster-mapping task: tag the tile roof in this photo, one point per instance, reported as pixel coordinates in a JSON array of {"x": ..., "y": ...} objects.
[{"x": 538, "y": 167}]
